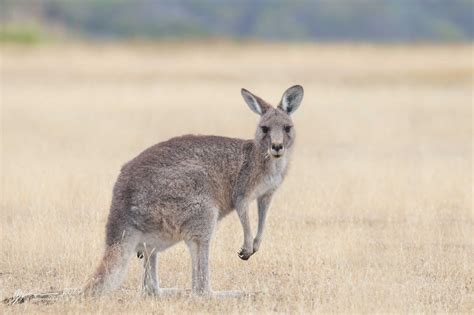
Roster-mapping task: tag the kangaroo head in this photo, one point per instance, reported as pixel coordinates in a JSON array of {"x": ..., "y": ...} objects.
[{"x": 275, "y": 131}]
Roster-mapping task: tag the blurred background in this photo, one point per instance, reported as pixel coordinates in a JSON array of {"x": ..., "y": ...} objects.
[{"x": 309, "y": 20}]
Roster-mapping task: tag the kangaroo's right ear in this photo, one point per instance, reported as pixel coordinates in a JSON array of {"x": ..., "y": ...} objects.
[{"x": 255, "y": 103}]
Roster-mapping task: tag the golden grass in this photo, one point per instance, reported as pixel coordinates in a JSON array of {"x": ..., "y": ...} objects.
[{"x": 375, "y": 215}]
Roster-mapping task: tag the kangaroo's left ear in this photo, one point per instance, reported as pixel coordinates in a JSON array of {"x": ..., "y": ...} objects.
[{"x": 291, "y": 99}]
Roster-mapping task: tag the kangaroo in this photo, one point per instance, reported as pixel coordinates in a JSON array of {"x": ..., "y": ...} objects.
[{"x": 179, "y": 189}]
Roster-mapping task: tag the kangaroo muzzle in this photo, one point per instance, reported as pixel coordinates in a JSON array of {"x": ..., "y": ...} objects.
[{"x": 277, "y": 150}]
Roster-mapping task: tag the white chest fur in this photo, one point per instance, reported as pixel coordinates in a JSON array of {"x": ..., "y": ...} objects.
[{"x": 272, "y": 177}]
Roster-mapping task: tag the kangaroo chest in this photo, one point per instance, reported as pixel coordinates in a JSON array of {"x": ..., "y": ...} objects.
[{"x": 271, "y": 179}]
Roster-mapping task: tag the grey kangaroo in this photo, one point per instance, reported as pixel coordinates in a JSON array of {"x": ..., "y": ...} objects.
[{"x": 179, "y": 189}]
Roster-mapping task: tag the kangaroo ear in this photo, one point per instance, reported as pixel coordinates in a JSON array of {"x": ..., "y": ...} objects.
[
  {"x": 291, "y": 99},
  {"x": 255, "y": 103}
]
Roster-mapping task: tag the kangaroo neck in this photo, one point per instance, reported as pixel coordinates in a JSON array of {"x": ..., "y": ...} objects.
[
  {"x": 266, "y": 164},
  {"x": 258, "y": 173}
]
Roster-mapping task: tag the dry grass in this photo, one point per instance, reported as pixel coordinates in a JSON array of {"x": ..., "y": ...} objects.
[{"x": 375, "y": 215}]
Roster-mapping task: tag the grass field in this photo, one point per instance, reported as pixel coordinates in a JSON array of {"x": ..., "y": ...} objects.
[{"x": 374, "y": 216}]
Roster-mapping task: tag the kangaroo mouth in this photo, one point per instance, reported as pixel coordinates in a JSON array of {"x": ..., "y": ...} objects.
[{"x": 276, "y": 155}]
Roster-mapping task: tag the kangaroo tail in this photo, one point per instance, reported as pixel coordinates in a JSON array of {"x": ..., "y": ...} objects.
[
  {"x": 106, "y": 278},
  {"x": 111, "y": 271}
]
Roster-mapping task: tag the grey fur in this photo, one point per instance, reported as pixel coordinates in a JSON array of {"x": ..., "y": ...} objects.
[{"x": 179, "y": 189}]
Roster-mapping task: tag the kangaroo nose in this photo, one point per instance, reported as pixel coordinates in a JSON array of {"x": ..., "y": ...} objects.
[{"x": 277, "y": 146}]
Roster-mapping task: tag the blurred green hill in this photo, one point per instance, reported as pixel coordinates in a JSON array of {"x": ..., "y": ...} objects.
[{"x": 323, "y": 20}]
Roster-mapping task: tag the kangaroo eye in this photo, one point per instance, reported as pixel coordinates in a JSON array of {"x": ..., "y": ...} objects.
[
  {"x": 287, "y": 128},
  {"x": 265, "y": 129}
]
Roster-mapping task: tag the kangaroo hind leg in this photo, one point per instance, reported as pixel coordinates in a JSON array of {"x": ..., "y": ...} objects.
[
  {"x": 199, "y": 250},
  {"x": 202, "y": 231},
  {"x": 150, "y": 285}
]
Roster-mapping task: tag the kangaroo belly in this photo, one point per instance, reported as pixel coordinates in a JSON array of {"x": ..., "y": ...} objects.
[{"x": 154, "y": 242}]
